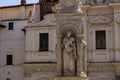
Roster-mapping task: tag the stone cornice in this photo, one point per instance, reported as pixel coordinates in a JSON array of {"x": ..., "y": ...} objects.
[
  {"x": 116, "y": 64},
  {"x": 39, "y": 27},
  {"x": 115, "y": 5},
  {"x": 100, "y": 67},
  {"x": 40, "y": 67},
  {"x": 104, "y": 50},
  {"x": 68, "y": 16}
]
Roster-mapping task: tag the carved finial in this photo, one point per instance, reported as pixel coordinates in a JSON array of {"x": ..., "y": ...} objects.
[
  {"x": 83, "y": 74},
  {"x": 80, "y": 6},
  {"x": 30, "y": 17},
  {"x": 23, "y": 2},
  {"x": 56, "y": 8}
]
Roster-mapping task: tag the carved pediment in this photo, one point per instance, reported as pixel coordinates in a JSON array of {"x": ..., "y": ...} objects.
[{"x": 99, "y": 19}]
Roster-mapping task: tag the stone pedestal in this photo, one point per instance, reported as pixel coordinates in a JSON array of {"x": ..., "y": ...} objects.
[{"x": 71, "y": 78}]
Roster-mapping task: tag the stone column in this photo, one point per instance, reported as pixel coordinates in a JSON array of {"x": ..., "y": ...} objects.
[
  {"x": 79, "y": 53},
  {"x": 59, "y": 54},
  {"x": 85, "y": 8},
  {"x": 116, "y": 11}
]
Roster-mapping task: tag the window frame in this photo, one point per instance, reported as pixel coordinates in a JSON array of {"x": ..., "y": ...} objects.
[
  {"x": 105, "y": 41},
  {"x": 9, "y": 59},
  {"x": 9, "y": 26},
  {"x": 40, "y": 47}
]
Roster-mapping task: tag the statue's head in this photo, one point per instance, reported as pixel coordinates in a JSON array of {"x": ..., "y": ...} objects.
[{"x": 69, "y": 33}]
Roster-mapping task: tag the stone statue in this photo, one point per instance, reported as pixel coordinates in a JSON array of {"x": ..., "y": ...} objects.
[
  {"x": 79, "y": 5},
  {"x": 30, "y": 17},
  {"x": 69, "y": 52},
  {"x": 67, "y": 6}
]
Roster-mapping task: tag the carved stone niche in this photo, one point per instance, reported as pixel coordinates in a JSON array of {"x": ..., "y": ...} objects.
[{"x": 79, "y": 63}]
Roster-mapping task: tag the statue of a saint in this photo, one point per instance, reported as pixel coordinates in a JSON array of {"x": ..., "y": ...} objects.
[
  {"x": 30, "y": 17},
  {"x": 69, "y": 52}
]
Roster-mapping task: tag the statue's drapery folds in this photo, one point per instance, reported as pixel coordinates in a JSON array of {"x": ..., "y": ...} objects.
[{"x": 69, "y": 52}]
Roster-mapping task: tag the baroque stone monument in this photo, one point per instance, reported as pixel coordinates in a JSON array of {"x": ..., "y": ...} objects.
[{"x": 71, "y": 44}]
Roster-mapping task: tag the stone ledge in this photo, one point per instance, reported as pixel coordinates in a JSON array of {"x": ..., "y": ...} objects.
[
  {"x": 40, "y": 67},
  {"x": 71, "y": 78}
]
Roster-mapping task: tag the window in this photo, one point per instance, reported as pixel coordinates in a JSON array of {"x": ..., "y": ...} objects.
[
  {"x": 47, "y": 0},
  {"x": 101, "y": 39},
  {"x": 9, "y": 59},
  {"x": 8, "y": 79},
  {"x": 44, "y": 41},
  {"x": 10, "y": 26},
  {"x": 117, "y": 77}
]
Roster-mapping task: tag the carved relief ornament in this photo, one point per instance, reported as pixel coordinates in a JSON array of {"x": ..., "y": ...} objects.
[
  {"x": 101, "y": 67},
  {"x": 100, "y": 20},
  {"x": 118, "y": 20}
]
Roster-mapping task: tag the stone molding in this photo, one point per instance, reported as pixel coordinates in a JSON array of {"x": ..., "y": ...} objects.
[
  {"x": 71, "y": 78},
  {"x": 43, "y": 78},
  {"x": 115, "y": 5},
  {"x": 99, "y": 2},
  {"x": 41, "y": 67},
  {"x": 39, "y": 27},
  {"x": 101, "y": 67},
  {"x": 116, "y": 64},
  {"x": 68, "y": 16},
  {"x": 118, "y": 20},
  {"x": 101, "y": 78},
  {"x": 100, "y": 19},
  {"x": 106, "y": 50}
]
